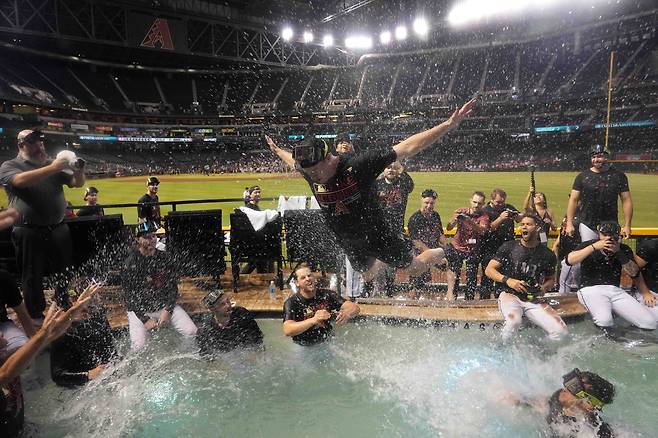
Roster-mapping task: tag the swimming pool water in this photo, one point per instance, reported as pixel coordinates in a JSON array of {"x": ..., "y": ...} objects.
[{"x": 371, "y": 380}]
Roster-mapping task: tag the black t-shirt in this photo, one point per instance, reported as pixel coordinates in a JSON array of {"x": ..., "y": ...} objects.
[
  {"x": 91, "y": 210},
  {"x": 532, "y": 265},
  {"x": 241, "y": 331},
  {"x": 568, "y": 243},
  {"x": 601, "y": 268},
  {"x": 10, "y": 296},
  {"x": 349, "y": 201},
  {"x": 393, "y": 199},
  {"x": 504, "y": 233},
  {"x": 647, "y": 250},
  {"x": 84, "y": 346},
  {"x": 12, "y": 410},
  {"x": 150, "y": 284},
  {"x": 298, "y": 308},
  {"x": 598, "y": 195},
  {"x": 149, "y": 212},
  {"x": 427, "y": 229}
]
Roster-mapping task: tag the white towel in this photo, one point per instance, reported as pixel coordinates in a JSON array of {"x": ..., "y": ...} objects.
[
  {"x": 314, "y": 204},
  {"x": 291, "y": 203},
  {"x": 259, "y": 219}
]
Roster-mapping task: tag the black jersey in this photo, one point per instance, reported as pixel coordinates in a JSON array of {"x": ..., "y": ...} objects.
[
  {"x": 10, "y": 296},
  {"x": 150, "y": 210},
  {"x": 91, "y": 210},
  {"x": 393, "y": 199},
  {"x": 85, "y": 345},
  {"x": 532, "y": 265},
  {"x": 603, "y": 268},
  {"x": 647, "y": 250},
  {"x": 349, "y": 200},
  {"x": 598, "y": 195},
  {"x": 150, "y": 283},
  {"x": 428, "y": 229},
  {"x": 241, "y": 331},
  {"x": 298, "y": 308}
]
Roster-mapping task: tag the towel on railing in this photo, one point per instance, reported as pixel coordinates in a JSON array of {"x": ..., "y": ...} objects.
[
  {"x": 291, "y": 203},
  {"x": 259, "y": 219}
]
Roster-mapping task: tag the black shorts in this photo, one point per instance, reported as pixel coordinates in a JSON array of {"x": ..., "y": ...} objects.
[
  {"x": 394, "y": 250},
  {"x": 456, "y": 258}
]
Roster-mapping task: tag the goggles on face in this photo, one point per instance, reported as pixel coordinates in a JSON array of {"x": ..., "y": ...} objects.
[
  {"x": 573, "y": 382},
  {"x": 212, "y": 297},
  {"x": 310, "y": 151}
]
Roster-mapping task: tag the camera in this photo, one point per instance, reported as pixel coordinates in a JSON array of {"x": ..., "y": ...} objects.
[
  {"x": 462, "y": 216},
  {"x": 512, "y": 213}
]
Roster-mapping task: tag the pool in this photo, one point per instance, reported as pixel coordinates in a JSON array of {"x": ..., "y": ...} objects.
[{"x": 371, "y": 380}]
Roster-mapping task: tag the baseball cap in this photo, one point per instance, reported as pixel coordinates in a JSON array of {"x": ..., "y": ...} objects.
[
  {"x": 152, "y": 181},
  {"x": 598, "y": 149},
  {"x": 89, "y": 191},
  {"x": 32, "y": 137}
]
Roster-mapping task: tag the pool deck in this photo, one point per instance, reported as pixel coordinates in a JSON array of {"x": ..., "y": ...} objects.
[{"x": 427, "y": 307}]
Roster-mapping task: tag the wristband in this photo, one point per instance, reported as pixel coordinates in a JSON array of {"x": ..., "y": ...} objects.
[{"x": 504, "y": 280}]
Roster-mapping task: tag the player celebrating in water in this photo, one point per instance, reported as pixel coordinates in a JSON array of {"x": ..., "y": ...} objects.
[{"x": 344, "y": 188}]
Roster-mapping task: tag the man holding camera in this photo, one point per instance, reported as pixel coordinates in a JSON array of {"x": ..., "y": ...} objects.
[
  {"x": 602, "y": 261},
  {"x": 41, "y": 238},
  {"x": 501, "y": 221},
  {"x": 526, "y": 270},
  {"x": 472, "y": 225}
]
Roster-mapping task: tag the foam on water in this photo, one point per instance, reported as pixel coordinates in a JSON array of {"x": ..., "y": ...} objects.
[{"x": 370, "y": 380}]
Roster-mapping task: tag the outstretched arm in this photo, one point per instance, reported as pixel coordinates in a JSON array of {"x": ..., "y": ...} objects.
[
  {"x": 421, "y": 141},
  {"x": 285, "y": 156}
]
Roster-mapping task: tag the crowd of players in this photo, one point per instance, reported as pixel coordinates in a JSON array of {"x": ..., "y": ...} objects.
[{"x": 366, "y": 215}]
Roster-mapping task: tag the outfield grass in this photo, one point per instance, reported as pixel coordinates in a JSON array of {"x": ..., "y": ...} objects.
[{"x": 454, "y": 190}]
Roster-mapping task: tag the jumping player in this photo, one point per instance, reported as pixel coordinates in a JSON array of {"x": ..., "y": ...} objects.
[{"x": 344, "y": 188}]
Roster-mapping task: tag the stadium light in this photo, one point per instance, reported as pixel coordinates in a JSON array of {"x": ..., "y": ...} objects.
[
  {"x": 472, "y": 11},
  {"x": 328, "y": 41},
  {"x": 420, "y": 26},
  {"x": 401, "y": 33},
  {"x": 358, "y": 42},
  {"x": 308, "y": 37},
  {"x": 385, "y": 37},
  {"x": 287, "y": 33}
]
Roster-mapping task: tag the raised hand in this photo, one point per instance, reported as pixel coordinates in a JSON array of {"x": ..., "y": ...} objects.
[{"x": 461, "y": 113}]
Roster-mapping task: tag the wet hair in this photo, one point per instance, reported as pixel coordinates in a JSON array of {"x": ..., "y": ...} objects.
[
  {"x": 252, "y": 189},
  {"x": 302, "y": 266},
  {"x": 479, "y": 193},
  {"x": 429, "y": 193},
  {"x": 500, "y": 192},
  {"x": 532, "y": 215}
]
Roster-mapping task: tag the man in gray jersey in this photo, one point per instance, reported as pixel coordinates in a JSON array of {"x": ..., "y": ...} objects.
[{"x": 34, "y": 188}]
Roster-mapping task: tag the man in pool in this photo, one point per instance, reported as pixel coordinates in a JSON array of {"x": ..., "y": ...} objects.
[
  {"x": 226, "y": 327},
  {"x": 526, "y": 270},
  {"x": 306, "y": 314},
  {"x": 150, "y": 287},
  {"x": 578, "y": 403},
  {"x": 344, "y": 188}
]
